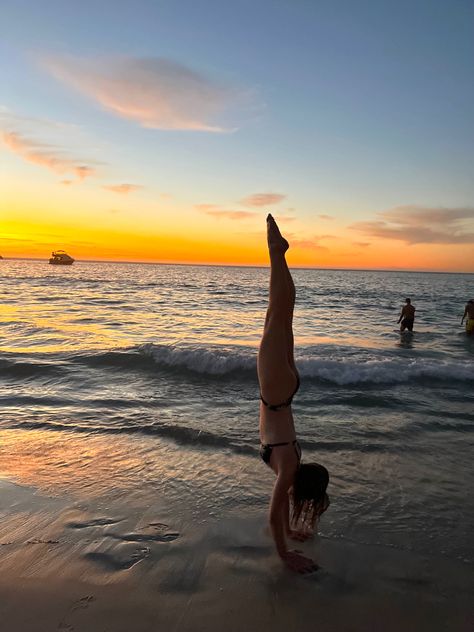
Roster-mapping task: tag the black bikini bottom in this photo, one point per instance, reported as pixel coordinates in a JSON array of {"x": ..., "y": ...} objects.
[{"x": 267, "y": 448}]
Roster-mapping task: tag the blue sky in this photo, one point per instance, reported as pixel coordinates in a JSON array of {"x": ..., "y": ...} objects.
[{"x": 346, "y": 108}]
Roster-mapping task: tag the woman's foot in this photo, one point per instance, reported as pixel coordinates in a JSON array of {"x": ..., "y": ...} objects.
[{"x": 276, "y": 243}]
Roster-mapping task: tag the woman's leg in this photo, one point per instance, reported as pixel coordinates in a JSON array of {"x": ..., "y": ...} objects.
[{"x": 276, "y": 368}]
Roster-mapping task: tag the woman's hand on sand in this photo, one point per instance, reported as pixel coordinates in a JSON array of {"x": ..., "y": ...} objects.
[
  {"x": 299, "y": 535},
  {"x": 299, "y": 563}
]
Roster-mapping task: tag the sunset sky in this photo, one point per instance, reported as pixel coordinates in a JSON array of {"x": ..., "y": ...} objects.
[{"x": 166, "y": 130}]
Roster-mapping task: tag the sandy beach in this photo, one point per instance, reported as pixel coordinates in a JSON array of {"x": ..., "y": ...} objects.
[{"x": 85, "y": 567}]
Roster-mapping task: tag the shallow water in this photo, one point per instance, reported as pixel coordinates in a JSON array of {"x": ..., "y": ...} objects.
[{"x": 127, "y": 359}]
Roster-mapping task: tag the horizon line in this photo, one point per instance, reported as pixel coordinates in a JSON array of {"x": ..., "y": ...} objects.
[{"x": 241, "y": 265}]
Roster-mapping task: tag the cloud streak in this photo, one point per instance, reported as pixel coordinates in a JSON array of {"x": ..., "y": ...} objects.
[
  {"x": 263, "y": 199},
  {"x": 123, "y": 189},
  {"x": 285, "y": 218},
  {"x": 46, "y": 156},
  {"x": 215, "y": 211},
  {"x": 231, "y": 214},
  {"x": 306, "y": 241},
  {"x": 307, "y": 244},
  {"x": 422, "y": 225},
  {"x": 154, "y": 91}
]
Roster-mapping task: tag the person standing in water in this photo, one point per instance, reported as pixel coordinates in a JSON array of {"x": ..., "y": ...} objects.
[
  {"x": 299, "y": 495},
  {"x": 469, "y": 312},
  {"x": 407, "y": 316}
]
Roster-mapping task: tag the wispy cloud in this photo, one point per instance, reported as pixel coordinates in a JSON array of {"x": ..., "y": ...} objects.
[
  {"x": 306, "y": 244},
  {"x": 217, "y": 211},
  {"x": 422, "y": 225},
  {"x": 328, "y": 217},
  {"x": 47, "y": 156},
  {"x": 285, "y": 218},
  {"x": 361, "y": 244},
  {"x": 83, "y": 171},
  {"x": 123, "y": 189},
  {"x": 11, "y": 119},
  {"x": 14, "y": 239},
  {"x": 263, "y": 199},
  {"x": 155, "y": 92},
  {"x": 232, "y": 214}
]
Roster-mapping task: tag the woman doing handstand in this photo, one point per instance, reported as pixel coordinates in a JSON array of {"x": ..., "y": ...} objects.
[{"x": 304, "y": 484}]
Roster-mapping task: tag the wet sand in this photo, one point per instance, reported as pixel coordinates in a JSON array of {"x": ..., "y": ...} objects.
[{"x": 85, "y": 567}]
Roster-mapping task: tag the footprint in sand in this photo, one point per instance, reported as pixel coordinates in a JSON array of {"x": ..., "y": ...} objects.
[
  {"x": 83, "y": 602},
  {"x": 119, "y": 560},
  {"x": 93, "y": 522},
  {"x": 144, "y": 537},
  {"x": 126, "y": 553}
]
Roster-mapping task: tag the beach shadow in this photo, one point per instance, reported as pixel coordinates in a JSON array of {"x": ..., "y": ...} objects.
[
  {"x": 413, "y": 581},
  {"x": 247, "y": 550},
  {"x": 329, "y": 582},
  {"x": 186, "y": 574}
]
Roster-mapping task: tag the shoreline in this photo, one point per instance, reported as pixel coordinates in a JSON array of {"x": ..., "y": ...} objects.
[{"x": 90, "y": 566}]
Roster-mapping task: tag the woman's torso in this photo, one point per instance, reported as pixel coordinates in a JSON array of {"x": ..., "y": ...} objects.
[{"x": 276, "y": 426}]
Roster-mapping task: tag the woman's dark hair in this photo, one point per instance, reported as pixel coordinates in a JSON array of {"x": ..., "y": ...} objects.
[{"x": 309, "y": 493}]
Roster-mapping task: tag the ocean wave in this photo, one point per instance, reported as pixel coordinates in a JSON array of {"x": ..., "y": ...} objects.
[
  {"x": 182, "y": 435},
  {"x": 128, "y": 359},
  {"x": 217, "y": 361},
  {"x": 192, "y": 437},
  {"x": 340, "y": 371},
  {"x": 325, "y": 364},
  {"x": 386, "y": 371},
  {"x": 28, "y": 369}
]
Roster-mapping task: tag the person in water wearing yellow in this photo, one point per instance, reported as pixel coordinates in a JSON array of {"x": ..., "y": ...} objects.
[
  {"x": 299, "y": 494},
  {"x": 469, "y": 312},
  {"x": 407, "y": 316}
]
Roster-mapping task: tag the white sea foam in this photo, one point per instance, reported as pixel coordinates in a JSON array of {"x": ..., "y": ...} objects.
[
  {"x": 384, "y": 371},
  {"x": 218, "y": 361},
  {"x": 339, "y": 371}
]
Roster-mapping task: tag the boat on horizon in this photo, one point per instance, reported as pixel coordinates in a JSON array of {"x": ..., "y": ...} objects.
[{"x": 60, "y": 258}]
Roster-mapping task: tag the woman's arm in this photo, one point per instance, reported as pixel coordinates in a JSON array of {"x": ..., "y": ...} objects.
[
  {"x": 279, "y": 520},
  {"x": 279, "y": 511}
]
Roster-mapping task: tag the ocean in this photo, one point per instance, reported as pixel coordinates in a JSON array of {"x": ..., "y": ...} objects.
[{"x": 139, "y": 381}]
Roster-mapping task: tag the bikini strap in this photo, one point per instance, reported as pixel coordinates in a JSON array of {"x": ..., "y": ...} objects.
[{"x": 275, "y": 445}]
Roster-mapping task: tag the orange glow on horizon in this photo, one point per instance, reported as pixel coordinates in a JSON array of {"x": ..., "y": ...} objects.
[
  {"x": 37, "y": 241},
  {"x": 142, "y": 231}
]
